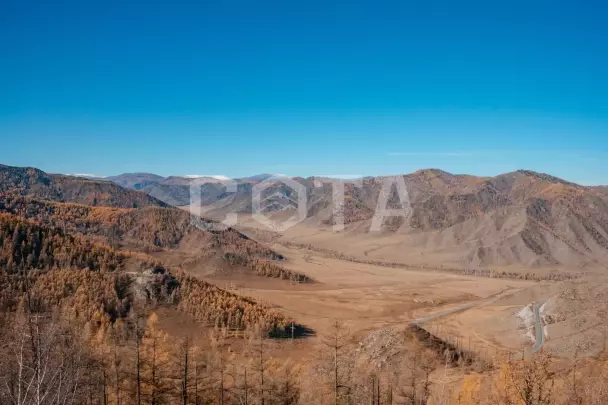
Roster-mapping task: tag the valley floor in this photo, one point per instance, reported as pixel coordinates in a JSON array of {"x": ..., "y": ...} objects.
[{"x": 369, "y": 297}]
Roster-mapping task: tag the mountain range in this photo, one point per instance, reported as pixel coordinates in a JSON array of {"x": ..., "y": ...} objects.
[
  {"x": 175, "y": 190},
  {"x": 521, "y": 218},
  {"x": 129, "y": 220},
  {"x": 33, "y": 182}
]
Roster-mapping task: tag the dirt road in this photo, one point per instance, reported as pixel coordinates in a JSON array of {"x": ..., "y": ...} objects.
[{"x": 461, "y": 308}]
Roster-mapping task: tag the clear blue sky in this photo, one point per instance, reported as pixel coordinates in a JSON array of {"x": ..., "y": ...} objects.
[{"x": 305, "y": 87}]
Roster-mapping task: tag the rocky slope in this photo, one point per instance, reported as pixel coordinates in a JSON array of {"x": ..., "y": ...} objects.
[
  {"x": 520, "y": 218},
  {"x": 28, "y": 181}
]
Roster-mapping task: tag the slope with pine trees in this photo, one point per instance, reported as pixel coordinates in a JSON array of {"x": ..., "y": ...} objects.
[
  {"x": 56, "y": 268},
  {"x": 172, "y": 232}
]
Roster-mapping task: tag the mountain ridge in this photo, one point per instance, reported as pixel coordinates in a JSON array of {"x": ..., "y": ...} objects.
[
  {"x": 33, "y": 182},
  {"x": 517, "y": 218}
]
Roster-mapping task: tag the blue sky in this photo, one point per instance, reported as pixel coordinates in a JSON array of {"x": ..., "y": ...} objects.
[{"x": 302, "y": 88}]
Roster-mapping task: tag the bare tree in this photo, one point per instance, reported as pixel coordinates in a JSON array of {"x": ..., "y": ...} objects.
[
  {"x": 337, "y": 341},
  {"x": 46, "y": 364},
  {"x": 258, "y": 346},
  {"x": 414, "y": 378},
  {"x": 184, "y": 367}
]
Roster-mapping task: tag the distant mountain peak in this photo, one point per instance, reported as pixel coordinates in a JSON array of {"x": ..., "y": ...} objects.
[
  {"x": 433, "y": 171},
  {"x": 32, "y": 182},
  {"x": 547, "y": 177}
]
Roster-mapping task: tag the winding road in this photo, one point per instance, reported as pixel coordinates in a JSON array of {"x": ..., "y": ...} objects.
[{"x": 540, "y": 335}]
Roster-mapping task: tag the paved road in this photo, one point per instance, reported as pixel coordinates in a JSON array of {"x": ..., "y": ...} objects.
[{"x": 540, "y": 335}]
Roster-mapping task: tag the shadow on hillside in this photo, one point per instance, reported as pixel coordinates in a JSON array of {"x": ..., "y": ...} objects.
[{"x": 298, "y": 332}]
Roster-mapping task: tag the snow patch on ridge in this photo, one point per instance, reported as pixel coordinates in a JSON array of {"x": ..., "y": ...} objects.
[{"x": 199, "y": 176}]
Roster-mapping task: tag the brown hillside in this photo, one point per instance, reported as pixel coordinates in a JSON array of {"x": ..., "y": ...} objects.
[
  {"x": 520, "y": 218},
  {"x": 28, "y": 181},
  {"x": 51, "y": 268},
  {"x": 163, "y": 230}
]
